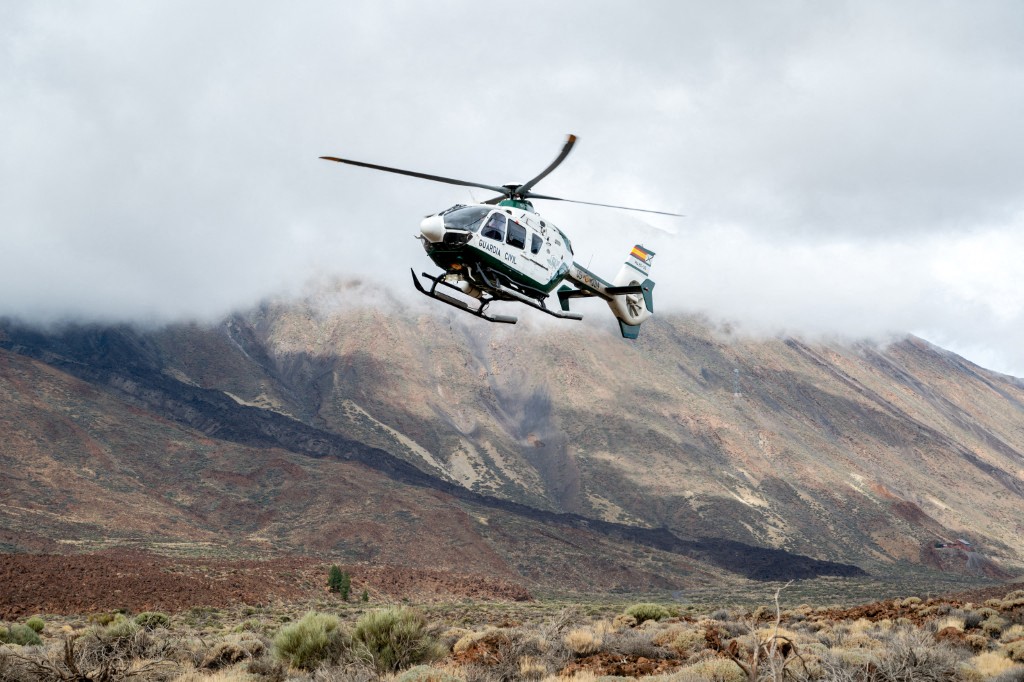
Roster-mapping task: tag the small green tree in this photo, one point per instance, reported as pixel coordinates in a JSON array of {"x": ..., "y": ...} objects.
[
  {"x": 334, "y": 578},
  {"x": 339, "y": 581}
]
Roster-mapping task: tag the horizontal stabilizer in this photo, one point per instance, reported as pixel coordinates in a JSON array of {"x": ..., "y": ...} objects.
[
  {"x": 566, "y": 293},
  {"x": 628, "y": 289}
]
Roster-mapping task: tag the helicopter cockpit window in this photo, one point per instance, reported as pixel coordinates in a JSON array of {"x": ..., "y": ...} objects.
[
  {"x": 535, "y": 244},
  {"x": 495, "y": 227},
  {"x": 465, "y": 218},
  {"x": 516, "y": 235}
]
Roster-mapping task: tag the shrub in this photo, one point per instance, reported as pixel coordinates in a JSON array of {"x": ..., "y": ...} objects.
[
  {"x": 36, "y": 623},
  {"x": 647, "y": 611},
  {"x": 396, "y": 638},
  {"x": 977, "y": 642},
  {"x": 913, "y": 655},
  {"x": 267, "y": 669},
  {"x": 624, "y": 620},
  {"x": 151, "y": 620},
  {"x": 689, "y": 641},
  {"x": 993, "y": 626},
  {"x": 516, "y": 653},
  {"x": 734, "y": 628},
  {"x": 232, "y": 650},
  {"x": 121, "y": 628},
  {"x": 5, "y": 634},
  {"x": 254, "y": 625},
  {"x": 635, "y": 643},
  {"x": 317, "y": 638},
  {"x": 972, "y": 619},
  {"x": 102, "y": 618},
  {"x": 23, "y": 635},
  {"x": 1015, "y": 651},
  {"x": 470, "y": 639}
]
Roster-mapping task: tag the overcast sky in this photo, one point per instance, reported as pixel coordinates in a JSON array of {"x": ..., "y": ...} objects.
[{"x": 849, "y": 169}]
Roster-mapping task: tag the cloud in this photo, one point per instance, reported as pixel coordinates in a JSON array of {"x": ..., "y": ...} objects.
[{"x": 849, "y": 168}]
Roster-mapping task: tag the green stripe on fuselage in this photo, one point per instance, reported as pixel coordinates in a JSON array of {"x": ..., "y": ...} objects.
[{"x": 467, "y": 254}]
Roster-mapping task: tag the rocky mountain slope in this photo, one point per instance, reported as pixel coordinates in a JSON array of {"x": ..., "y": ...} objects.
[{"x": 554, "y": 453}]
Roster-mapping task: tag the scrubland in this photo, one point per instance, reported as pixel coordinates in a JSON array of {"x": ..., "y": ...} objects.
[{"x": 896, "y": 639}]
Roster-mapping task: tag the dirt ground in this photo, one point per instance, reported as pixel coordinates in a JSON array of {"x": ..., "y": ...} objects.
[{"x": 138, "y": 581}]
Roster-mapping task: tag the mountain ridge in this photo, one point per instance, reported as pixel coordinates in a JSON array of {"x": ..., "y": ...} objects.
[
  {"x": 842, "y": 453},
  {"x": 227, "y": 419}
]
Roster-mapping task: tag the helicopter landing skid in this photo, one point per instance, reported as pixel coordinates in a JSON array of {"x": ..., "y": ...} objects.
[
  {"x": 452, "y": 301},
  {"x": 513, "y": 295}
]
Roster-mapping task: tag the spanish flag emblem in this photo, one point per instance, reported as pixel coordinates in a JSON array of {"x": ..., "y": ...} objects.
[{"x": 642, "y": 254}]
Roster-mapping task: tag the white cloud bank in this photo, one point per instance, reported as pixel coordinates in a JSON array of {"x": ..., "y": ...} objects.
[{"x": 846, "y": 168}]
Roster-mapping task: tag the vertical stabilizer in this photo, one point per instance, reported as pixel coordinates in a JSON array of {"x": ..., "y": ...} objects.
[
  {"x": 633, "y": 308},
  {"x": 637, "y": 266}
]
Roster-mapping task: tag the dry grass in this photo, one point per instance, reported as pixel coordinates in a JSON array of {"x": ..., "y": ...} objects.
[
  {"x": 714, "y": 669},
  {"x": 556, "y": 644},
  {"x": 955, "y": 622},
  {"x": 991, "y": 664},
  {"x": 583, "y": 641},
  {"x": 1012, "y": 633},
  {"x": 230, "y": 675}
]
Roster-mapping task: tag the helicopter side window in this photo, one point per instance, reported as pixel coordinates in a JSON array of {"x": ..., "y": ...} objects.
[
  {"x": 516, "y": 235},
  {"x": 535, "y": 244},
  {"x": 495, "y": 227}
]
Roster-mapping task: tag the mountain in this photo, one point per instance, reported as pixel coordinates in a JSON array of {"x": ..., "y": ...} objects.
[{"x": 556, "y": 454}]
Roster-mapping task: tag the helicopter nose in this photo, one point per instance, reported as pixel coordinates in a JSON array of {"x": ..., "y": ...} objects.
[{"x": 432, "y": 228}]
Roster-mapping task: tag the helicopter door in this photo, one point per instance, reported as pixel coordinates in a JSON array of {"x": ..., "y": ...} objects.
[{"x": 494, "y": 228}]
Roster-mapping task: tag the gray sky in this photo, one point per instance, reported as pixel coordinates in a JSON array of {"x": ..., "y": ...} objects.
[{"x": 847, "y": 169}]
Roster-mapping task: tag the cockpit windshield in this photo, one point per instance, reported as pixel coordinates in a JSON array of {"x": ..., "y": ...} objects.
[{"x": 466, "y": 217}]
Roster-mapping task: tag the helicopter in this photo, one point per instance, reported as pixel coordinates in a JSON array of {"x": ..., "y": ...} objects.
[{"x": 503, "y": 250}]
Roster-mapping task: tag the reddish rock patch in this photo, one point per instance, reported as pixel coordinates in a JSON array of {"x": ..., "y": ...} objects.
[
  {"x": 605, "y": 663},
  {"x": 139, "y": 581},
  {"x": 951, "y": 635}
]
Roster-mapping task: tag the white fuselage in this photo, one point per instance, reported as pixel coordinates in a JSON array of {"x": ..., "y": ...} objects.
[{"x": 516, "y": 242}]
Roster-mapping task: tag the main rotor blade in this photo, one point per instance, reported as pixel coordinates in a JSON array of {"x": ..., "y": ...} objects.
[
  {"x": 525, "y": 187},
  {"x": 531, "y": 195},
  {"x": 425, "y": 176}
]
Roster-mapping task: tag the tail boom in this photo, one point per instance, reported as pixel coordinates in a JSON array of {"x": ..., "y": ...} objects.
[{"x": 630, "y": 298}]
